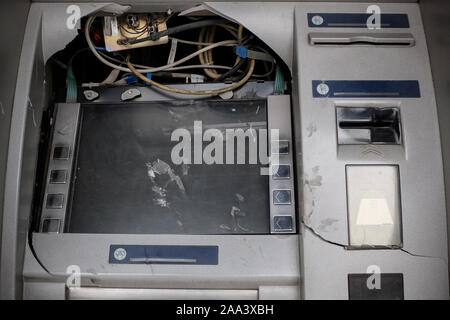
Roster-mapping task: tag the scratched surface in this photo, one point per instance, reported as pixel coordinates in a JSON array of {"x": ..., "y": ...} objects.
[{"x": 126, "y": 181}]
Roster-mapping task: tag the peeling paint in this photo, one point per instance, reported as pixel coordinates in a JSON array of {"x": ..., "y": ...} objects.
[
  {"x": 315, "y": 170},
  {"x": 315, "y": 181},
  {"x": 310, "y": 130},
  {"x": 327, "y": 225}
]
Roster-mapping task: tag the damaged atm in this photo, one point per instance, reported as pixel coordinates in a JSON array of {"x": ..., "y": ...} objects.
[{"x": 189, "y": 151}]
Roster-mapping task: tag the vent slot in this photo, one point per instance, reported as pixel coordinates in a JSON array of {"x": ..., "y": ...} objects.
[{"x": 373, "y": 39}]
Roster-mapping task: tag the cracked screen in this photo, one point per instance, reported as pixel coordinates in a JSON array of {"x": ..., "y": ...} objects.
[{"x": 127, "y": 182}]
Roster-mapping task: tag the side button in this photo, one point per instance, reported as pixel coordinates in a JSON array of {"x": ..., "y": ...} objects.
[
  {"x": 58, "y": 176},
  {"x": 283, "y": 147},
  {"x": 282, "y": 171},
  {"x": 61, "y": 153},
  {"x": 282, "y": 196},
  {"x": 282, "y": 223},
  {"x": 51, "y": 225},
  {"x": 55, "y": 201}
]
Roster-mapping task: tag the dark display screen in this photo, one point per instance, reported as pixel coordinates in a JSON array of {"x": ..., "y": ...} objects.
[{"x": 126, "y": 182}]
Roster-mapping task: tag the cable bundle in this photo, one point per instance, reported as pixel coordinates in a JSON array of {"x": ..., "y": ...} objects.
[{"x": 205, "y": 45}]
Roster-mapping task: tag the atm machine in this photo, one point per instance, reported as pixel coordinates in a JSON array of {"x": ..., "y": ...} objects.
[{"x": 299, "y": 160}]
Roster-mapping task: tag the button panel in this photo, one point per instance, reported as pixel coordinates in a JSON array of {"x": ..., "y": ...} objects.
[
  {"x": 59, "y": 168},
  {"x": 281, "y": 181}
]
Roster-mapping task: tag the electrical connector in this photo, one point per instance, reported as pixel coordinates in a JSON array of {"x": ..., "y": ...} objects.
[{"x": 241, "y": 51}]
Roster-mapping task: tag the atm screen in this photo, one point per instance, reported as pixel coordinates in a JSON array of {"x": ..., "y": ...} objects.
[{"x": 125, "y": 181}]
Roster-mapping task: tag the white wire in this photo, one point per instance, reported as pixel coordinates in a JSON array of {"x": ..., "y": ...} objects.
[
  {"x": 196, "y": 43},
  {"x": 195, "y": 66},
  {"x": 199, "y": 66},
  {"x": 112, "y": 65}
]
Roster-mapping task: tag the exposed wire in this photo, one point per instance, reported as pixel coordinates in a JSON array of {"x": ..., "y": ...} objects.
[
  {"x": 206, "y": 57},
  {"x": 272, "y": 65},
  {"x": 184, "y": 27},
  {"x": 195, "y": 43},
  {"x": 231, "y": 71},
  {"x": 71, "y": 82},
  {"x": 279, "y": 82},
  {"x": 204, "y": 53},
  {"x": 71, "y": 93},
  {"x": 193, "y": 92},
  {"x": 198, "y": 66},
  {"x": 195, "y": 66},
  {"x": 151, "y": 70}
]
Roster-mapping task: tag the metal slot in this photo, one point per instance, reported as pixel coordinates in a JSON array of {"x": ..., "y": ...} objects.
[
  {"x": 376, "y": 39},
  {"x": 368, "y": 125}
]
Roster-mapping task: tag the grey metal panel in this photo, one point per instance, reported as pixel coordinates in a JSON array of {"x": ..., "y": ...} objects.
[
  {"x": 194, "y": 2},
  {"x": 436, "y": 20},
  {"x": 279, "y": 293},
  {"x": 40, "y": 290},
  {"x": 430, "y": 263},
  {"x": 326, "y": 278},
  {"x": 12, "y": 13},
  {"x": 160, "y": 294},
  {"x": 245, "y": 262},
  {"x": 22, "y": 152},
  {"x": 421, "y": 137},
  {"x": 324, "y": 193},
  {"x": 29, "y": 101}
]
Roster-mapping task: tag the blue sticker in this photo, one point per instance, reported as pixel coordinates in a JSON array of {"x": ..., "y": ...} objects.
[
  {"x": 356, "y": 20},
  {"x": 241, "y": 51},
  {"x": 163, "y": 254},
  {"x": 365, "y": 89}
]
